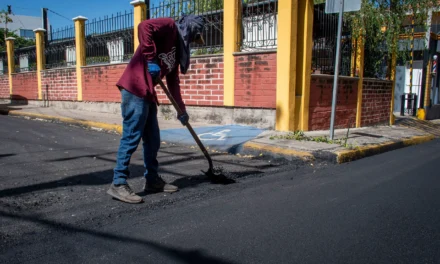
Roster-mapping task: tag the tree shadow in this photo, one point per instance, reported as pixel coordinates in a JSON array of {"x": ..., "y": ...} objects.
[
  {"x": 104, "y": 177},
  {"x": 94, "y": 178},
  {"x": 366, "y": 135},
  {"x": 97, "y": 156},
  {"x": 16, "y": 100},
  {"x": 7, "y": 155},
  {"x": 185, "y": 256},
  {"x": 425, "y": 126}
]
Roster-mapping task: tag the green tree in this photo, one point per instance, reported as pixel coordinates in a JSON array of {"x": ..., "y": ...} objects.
[
  {"x": 19, "y": 42},
  {"x": 5, "y": 19},
  {"x": 202, "y": 6},
  {"x": 382, "y": 21},
  {"x": 175, "y": 8}
]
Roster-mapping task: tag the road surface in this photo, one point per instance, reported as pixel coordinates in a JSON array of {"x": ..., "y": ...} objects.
[{"x": 53, "y": 207}]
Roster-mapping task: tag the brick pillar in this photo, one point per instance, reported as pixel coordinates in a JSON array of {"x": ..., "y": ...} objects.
[
  {"x": 11, "y": 60},
  {"x": 39, "y": 43},
  {"x": 232, "y": 11},
  {"x": 304, "y": 62},
  {"x": 393, "y": 78},
  {"x": 140, "y": 14},
  {"x": 360, "y": 57},
  {"x": 295, "y": 23},
  {"x": 80, "y": 44}
]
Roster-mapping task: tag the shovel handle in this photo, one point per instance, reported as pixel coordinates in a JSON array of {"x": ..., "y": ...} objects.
[{"x": 191, "y": 130}]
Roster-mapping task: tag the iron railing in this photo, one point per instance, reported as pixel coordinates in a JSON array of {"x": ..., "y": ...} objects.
[
  {"x": 408, "y": 104},
  {"x": 3, "y": 63},
  {"x": 110, "y": 40},
  {"x": 325, "y": 28},
  {"x": 435, "y": 27},
  {"x": 210, "y": 10},
  {"x": 25, "y": 59},
  {"x": 259, "y": 25},
  {"x": 60, "y": 51}
]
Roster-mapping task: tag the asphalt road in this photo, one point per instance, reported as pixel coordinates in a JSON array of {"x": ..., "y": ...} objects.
[{"x": 383, "y": 209}]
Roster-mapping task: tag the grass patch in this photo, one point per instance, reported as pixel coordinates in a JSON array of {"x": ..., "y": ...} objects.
[{"x": 300, "y": 136}]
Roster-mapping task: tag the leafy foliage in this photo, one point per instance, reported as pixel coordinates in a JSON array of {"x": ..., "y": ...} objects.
[
  {"x": 176, "y": 8},
  {"x": 381, "y": 22},
  {"x": 19, "y": 42}
]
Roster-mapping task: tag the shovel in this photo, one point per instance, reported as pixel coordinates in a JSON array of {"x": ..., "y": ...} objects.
[{"x": 214, "y": 175}]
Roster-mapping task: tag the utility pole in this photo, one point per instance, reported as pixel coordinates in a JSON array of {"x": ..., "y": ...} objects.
[
  {"x": 45, "y": 26},
  {"x": 147, "y": 3},
  {"x": 4, "y": 31},
  {"x": 7, "y": 19}
]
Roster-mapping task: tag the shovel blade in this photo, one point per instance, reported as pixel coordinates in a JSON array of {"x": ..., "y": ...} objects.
[{"x": 217, "y": 177}]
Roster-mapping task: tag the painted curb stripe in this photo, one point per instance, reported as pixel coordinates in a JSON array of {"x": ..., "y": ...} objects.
[{"x": 90, "y": 124}]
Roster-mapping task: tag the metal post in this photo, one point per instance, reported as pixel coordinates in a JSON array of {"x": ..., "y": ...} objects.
[
  {"x": 45, "y": 26},
  {"x": 412, "y": 57},
  {"x": 434, "y": 86},
  {"x": 414, "y": 112},
  {"x": 402, "y": 105},
  {"x": 147, "y": 3},
  {"x": 335, "y": 81}
]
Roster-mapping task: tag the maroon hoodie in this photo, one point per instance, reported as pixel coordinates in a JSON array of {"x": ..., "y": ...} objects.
[{"x": 157, "y": 41}]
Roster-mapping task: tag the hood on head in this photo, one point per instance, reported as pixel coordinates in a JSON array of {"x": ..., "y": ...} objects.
[{"x": 188, "y": 26}]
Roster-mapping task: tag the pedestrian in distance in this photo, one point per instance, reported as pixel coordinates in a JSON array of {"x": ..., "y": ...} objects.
[{"x": 164, "y": 45}]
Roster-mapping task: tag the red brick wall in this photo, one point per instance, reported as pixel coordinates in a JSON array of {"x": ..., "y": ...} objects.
[
  {"x": 202, "y": 85},
  {"x": 321, "y": 91},
  {"x": 99, "y": 82},
  {"x": 255, "y": 80},
  {"x": 25, "y": 86},
  {"x": 376, "y": 102},
  {"x": 60, "y": 84},
  {"x": 4, "y": 86}
]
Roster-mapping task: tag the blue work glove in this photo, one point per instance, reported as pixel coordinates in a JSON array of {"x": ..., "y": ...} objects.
[
  {"x": 153, "y": 69},
  {"x": 184, "y": 118}
]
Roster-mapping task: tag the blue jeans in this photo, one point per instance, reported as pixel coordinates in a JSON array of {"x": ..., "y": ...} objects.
[{"x": 140, "y": 122}]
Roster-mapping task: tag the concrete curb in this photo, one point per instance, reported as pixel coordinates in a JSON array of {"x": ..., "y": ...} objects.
[
  {"x": 78, "y": 122},
  {"x": 362, "y": 152},
  {"x": 338, "y": 156},
  {"x": 271, "y": 150}
]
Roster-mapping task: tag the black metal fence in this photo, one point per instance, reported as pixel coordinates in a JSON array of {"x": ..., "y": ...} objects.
[
  {"x": 435, "y": 27},
  {"x": 325, "y": 27},
  {"x": 110, "y": 40},
  {"x": 60, "y": 51},
  {"x": 25, "y": 59},
  {"x": 259, "y": 25},
  {"x": 210, "y": 10},
  {"x": 3, "y": 63}
]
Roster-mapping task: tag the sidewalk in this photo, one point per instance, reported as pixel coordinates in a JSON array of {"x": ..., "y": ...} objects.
[
  {"x": 360, "y": 143},
  {"x": 246, "y": 140}
]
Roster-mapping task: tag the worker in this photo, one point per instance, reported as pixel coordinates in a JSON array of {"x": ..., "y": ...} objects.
[{"x": 164, "y": 44}]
